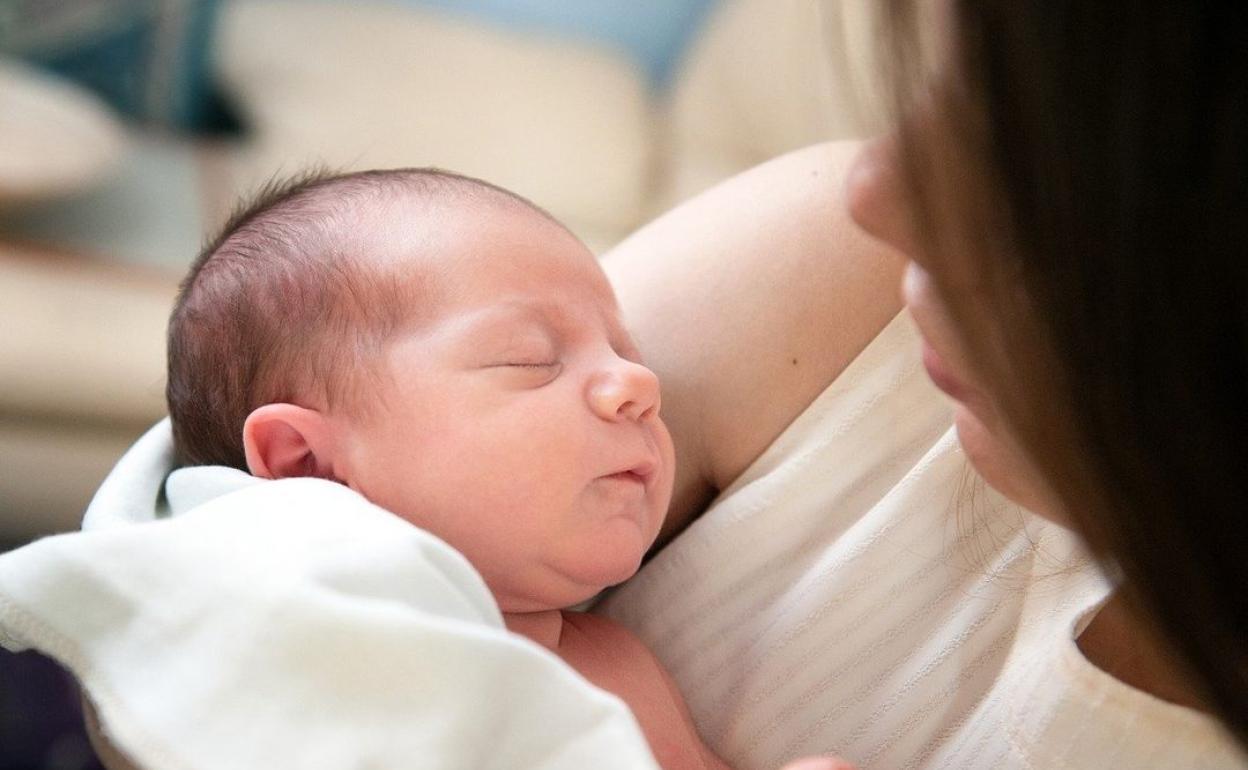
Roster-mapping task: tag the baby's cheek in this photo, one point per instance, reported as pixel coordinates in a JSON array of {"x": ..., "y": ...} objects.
[{"x": 665, "y": 485}]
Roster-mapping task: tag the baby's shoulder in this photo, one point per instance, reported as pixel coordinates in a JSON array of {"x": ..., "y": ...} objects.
[
  {"x": 613, "y": 658},
  {"x": 593, "y": 641}
]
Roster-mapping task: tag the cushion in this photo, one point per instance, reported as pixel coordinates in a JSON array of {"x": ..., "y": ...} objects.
[
  {"x": 82, "y": 369},
  {"x": 651, "y": 32},
  {"x": 80, "y": 339},
  {"x": 378, "y": 86},
  {"x": 55, "y": 138},
  {"x": 764, "y": 78}
]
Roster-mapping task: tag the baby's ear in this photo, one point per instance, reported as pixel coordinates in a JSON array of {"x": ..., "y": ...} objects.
[{"x": 284, "y": 441}]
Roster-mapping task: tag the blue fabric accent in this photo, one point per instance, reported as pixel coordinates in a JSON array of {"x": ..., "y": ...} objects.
[
  {"x": 147, "y": 58},
  {"x": 652, "y": 32}
]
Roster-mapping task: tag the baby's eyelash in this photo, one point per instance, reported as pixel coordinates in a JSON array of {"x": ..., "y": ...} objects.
[{"x": 524, "y": 365}]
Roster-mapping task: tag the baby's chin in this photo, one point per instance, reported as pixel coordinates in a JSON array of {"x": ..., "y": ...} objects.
[{"x": 570, "y": 582}]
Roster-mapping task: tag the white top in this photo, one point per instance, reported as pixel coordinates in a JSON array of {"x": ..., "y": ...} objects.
[{"x": 859, "y": 591}]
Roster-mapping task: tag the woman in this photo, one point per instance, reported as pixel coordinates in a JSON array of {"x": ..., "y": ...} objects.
[{"x": 1067, "y": 205}]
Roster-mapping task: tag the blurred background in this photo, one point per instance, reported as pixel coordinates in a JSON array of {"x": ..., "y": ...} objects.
[{"x": 129, "y": 129}]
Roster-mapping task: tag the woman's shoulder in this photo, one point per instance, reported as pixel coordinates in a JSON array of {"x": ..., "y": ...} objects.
[{"x": 747, "y": 301}]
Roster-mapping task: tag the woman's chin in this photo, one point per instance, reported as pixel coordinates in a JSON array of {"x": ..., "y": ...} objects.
[
  {"x": 986, "y": 453},
  {"x": 1000, "y": 464}
]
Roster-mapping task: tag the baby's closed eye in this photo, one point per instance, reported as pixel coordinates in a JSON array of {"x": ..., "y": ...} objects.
[{"x": 527, "y": 372}]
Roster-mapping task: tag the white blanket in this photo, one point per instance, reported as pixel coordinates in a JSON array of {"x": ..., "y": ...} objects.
[{"x": 242, "y": 623}]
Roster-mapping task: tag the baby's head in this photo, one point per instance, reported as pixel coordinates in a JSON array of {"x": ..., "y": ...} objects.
[{"x": 443, "y": 347}]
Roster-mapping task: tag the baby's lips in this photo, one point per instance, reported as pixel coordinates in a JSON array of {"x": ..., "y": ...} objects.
[
  {"x": 643, "y": 469},
  {"x": 640, "y": 471}
]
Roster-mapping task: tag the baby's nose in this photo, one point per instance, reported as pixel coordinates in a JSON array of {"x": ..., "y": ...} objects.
[{"x": 625, "y": 391}]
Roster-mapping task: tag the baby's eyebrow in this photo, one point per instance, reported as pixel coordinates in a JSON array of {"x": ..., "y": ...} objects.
[
  {"x": 504, "y": 317},
  {"x": 550, "y": 317},
  {"x": 521, "y": 311}
]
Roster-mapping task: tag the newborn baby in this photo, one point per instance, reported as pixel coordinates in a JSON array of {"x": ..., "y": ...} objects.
[{"x": 455, "y": 355}]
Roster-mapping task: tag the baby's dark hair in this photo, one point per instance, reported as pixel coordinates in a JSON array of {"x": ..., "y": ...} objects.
[{"x": 284, "y": 305}]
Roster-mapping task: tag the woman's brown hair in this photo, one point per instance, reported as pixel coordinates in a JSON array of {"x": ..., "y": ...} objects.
[{"x": 1080, "y": 175}]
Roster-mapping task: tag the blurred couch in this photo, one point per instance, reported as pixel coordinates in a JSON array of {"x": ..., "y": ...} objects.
[{"x": 88, "y": 273}]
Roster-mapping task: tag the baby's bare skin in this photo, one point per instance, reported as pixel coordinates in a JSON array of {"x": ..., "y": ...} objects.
[{"x": 611, "y": 657}]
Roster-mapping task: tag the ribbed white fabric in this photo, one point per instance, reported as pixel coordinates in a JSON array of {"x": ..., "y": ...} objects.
[{"x": 857, "y": 591}]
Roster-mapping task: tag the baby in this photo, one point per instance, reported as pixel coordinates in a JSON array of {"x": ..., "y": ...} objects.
[{"x": 455, "y": 355}]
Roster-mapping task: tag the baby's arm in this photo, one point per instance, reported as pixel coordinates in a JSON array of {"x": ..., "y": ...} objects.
[{"x": 611, "y": 657}]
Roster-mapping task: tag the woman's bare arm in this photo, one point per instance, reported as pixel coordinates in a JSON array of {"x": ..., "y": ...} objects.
[{"x": 747, "y": 301}]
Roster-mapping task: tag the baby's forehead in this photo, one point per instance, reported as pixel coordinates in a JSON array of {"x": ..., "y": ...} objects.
[
  {"x": 452, "y": 235},
  {"x": 494, "y": 262}
]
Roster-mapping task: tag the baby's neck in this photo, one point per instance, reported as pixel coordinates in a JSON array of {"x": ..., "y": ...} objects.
[{"x": 545, "y": 627}]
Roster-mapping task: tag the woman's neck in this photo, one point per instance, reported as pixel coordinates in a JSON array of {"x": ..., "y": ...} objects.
[{"x": 1119, "y": 643}]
